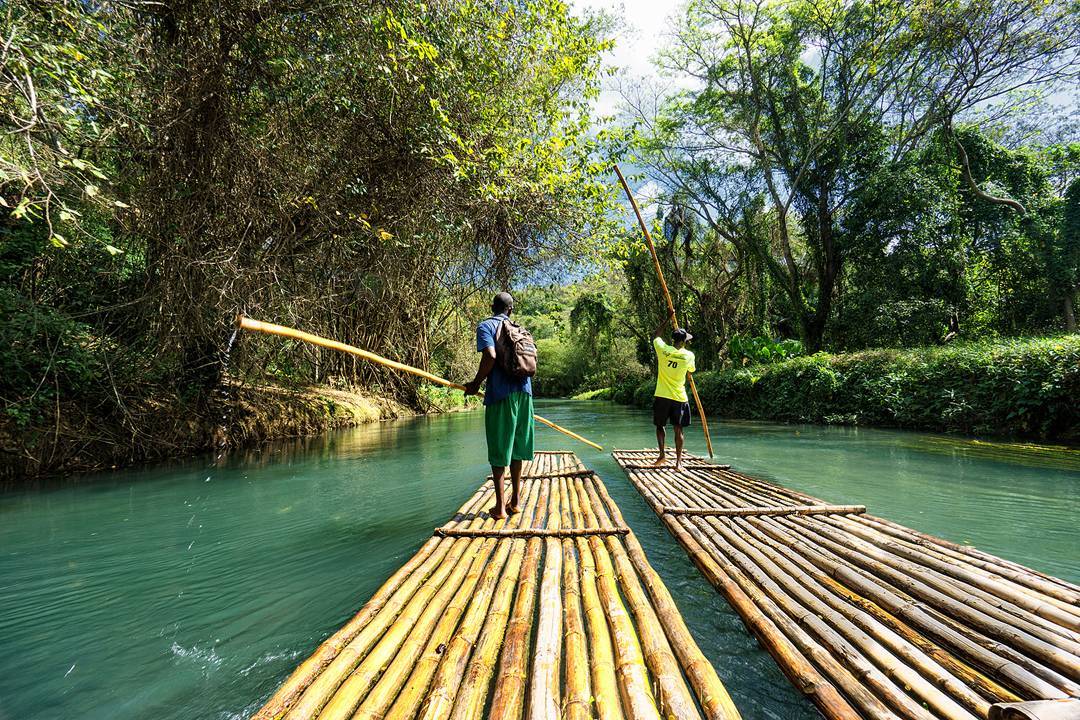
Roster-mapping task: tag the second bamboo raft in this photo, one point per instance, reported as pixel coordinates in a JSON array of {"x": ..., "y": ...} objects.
[
  {"x": 553, "y": 613},
  {"x": 868, "y": 618}
]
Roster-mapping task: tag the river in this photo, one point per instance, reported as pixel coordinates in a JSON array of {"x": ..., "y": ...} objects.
[{"x": 190, "y": 591}]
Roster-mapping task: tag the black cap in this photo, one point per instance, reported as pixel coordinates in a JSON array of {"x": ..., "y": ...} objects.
[{"x": 681, "y": 335}]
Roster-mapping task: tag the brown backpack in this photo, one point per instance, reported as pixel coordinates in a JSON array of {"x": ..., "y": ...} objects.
[{"x": 515, "y": 349}]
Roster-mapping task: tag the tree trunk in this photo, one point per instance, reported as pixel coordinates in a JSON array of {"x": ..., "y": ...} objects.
[
  {"x": 828, "y": 272},
  {"x": 1070, "y": 314}
]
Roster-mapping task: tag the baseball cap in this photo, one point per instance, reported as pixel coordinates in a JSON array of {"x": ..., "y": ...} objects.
[{"x": 681, "y": 334}]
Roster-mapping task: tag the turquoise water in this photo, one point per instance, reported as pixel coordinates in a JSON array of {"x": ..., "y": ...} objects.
[{"x": 186, "y": 591}]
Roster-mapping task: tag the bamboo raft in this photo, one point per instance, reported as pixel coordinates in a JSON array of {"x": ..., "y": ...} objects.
[
  {"x": 554, "y": 613},
  {"x": 868, "y": 618}
]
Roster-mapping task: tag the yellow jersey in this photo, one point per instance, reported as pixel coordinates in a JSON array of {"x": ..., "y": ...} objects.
[{"x": 672, "y": 364}]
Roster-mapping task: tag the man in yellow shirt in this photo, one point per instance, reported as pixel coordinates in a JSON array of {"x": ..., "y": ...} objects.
[{"x": 670, "y": 403}]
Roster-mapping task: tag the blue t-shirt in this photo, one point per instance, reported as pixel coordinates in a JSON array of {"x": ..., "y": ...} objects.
[{"x": 499, "y": 383}]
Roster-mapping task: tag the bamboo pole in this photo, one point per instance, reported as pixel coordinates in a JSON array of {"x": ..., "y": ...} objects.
[
  {"x": 532, "y": 532},
  {"x": 247, "y": 323},
  {"x": 833, "y": 630},
  {"x": 675, "y": 696},
  {"x": 767, "y": 510},
  {"x": 667, "y": 296},
  {"x": 797, "y": 550},
  {"x": 416, "y": 662},
  {"x": 544, "y": 689},
  {"x": 605, "y": 684},
  {"x": 576, "y": 699}
]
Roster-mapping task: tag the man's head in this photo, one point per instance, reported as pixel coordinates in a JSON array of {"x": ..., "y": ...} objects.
[
  {"x": 503, "y": 304},
  {"x": 681, "y": 337}
]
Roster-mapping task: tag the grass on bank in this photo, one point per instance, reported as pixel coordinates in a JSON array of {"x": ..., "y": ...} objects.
[{"x": 1020, "y": 387}]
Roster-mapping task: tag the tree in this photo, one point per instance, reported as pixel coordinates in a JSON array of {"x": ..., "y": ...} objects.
[
  {"x": 1065, "y": 255},
  {"x": 801, "y": 102}
]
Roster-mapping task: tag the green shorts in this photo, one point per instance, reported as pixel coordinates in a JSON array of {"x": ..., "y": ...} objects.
[{"x": 509, "y": 425}]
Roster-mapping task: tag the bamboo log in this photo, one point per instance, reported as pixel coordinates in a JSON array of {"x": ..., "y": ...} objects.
[
  {"x": 544, "y": 689},
  {"x": 555, "y": 475},
  {"x": 711, "y": 693},
  {"x": 1051, "y": 616},
  {"x": 439, "y": 701},
  {"x": 605, "y": 684},
  {"x": 793, "y": 590},
  {"x": 958, "y": 603},
  {"x": 629, "y": 664},
  {"x": 272, "y": 329},
  {"x": 686, "y": 465},
  {"x": 675, "y": 696},
  {"x": 416, "y": 662},
  {"x": 531, "y": 532},
  {"x": 767, "y": 510},
  {"x": 667, "y": 296},
  {"x": 915, "y": 663},
  {"x": 469, "y": 704},
  {"x": 994, "y": 656},
  {"x": 802, "y": 673},
  {"x": 509, "y": 698},
  {"x": 576, "y": 700},
  {"x": 860, "y": 683}
]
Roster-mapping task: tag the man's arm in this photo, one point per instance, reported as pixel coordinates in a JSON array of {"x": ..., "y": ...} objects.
[{"x": 487, "y": 364}]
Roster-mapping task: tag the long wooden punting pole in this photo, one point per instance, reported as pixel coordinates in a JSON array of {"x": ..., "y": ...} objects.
[
  {"x": 246, "y": 323},
  {"x": 667, "y": 296}
]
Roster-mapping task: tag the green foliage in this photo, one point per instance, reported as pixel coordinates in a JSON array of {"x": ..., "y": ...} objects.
[
  {"x": 1025, "y": 388},
  {"x": 357, "y": 170},
  {"x": 746, "y": 350}
]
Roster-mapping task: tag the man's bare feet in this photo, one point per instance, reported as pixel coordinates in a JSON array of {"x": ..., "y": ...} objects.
[
  {"x": 512, "y": 509},
  {"x": 496, "y": 512},
  {"x": 678, "y": 467},
  {"x": 660, "y": 461}
]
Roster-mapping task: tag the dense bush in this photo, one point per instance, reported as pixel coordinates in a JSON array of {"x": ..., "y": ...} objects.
[
  {"x": 748, "y": 350},
  {"x": 1027, "y": 388}
]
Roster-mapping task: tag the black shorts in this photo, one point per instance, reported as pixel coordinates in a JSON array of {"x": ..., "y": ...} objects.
[{"x": 665, "y": 410}]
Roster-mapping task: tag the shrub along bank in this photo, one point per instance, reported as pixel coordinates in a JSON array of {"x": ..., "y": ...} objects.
[{"x": 1024, "y": 388}]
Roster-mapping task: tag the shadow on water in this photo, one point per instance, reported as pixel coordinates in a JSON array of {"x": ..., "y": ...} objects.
[{"x": 151, "y": 591}]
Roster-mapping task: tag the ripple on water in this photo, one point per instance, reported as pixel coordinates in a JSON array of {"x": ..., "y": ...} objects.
[{"x": 151, "y": 591}]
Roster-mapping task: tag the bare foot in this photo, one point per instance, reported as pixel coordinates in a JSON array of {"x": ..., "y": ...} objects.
[
  {"x": 660, "y": 461},
  {"x": 678, "y": 467},
  {"x": 496, "y": 512},
  {"x": 512, "y": 509}
]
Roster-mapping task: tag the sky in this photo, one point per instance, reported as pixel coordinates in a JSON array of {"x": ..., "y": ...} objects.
[{"x": 642, "y": 29}]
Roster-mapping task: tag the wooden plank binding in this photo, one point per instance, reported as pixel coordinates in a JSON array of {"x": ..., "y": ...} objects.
[{"x": 553, "y": 476}]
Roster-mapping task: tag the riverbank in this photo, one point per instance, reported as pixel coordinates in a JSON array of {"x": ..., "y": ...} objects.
[
  {"x": 1012, "y": 388},
  {"x": 162, "y": 428}
]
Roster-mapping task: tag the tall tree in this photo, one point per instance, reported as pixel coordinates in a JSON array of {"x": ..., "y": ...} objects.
[{"x": 802, "y": 101}]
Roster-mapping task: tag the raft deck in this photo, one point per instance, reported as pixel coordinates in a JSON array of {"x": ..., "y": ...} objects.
[
  {"x": 553, "y": 613},
  {"x": 868, "y": 618}
]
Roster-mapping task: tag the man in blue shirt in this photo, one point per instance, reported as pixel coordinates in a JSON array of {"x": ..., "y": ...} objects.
[{"x": 508, "y": 409}]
